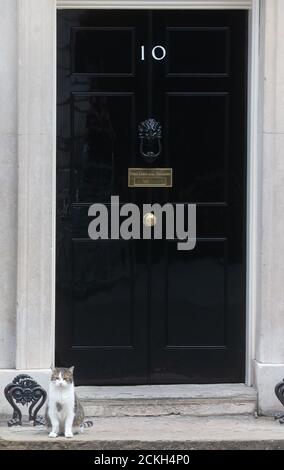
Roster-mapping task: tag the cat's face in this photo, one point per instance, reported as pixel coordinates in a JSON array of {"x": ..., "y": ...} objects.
[{"x": 62, "y": 377}]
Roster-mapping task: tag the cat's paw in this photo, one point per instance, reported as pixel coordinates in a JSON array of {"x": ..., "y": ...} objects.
[
  {"x": 68, "y": 434},
  {"x": 52, "y": 434}
]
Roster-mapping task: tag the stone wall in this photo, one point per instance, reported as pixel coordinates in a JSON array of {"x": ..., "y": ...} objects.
[
  {"x": 8, "y": 182},
  {"x": 270, "y": 321}
]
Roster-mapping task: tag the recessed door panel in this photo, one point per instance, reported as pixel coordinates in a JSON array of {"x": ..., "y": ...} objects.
[
  {"x": 103, "y": 51},
  {"x": 102, "y": 271},
  {"x": 197, "y": 144},
  {"x": 104, "y": 139},
  {"x": 201, "y": 51},
  {"x": 197, "y": 293}
]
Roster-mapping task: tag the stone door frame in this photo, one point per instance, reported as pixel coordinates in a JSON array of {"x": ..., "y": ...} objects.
[{"x": 37, "y": 170}]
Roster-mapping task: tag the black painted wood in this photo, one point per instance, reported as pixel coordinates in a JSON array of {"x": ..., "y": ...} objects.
[{"x": 134, "y": 312}]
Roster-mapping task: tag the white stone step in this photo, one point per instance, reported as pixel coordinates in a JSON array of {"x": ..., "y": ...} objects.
[
  {"x": 154, "y": 433},
  {"x": 161, "y": 400}
]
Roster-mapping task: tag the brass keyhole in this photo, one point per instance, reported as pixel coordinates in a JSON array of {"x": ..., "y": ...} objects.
[{"x": 149, "y": 219}]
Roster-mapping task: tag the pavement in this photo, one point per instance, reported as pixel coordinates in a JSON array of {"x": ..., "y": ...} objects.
[{"x": 155, "y": 433}]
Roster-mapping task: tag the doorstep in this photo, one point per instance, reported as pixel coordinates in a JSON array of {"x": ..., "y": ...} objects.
[
  {"x": 155, "y": 433},
  {"x": 162, "y": 400}
]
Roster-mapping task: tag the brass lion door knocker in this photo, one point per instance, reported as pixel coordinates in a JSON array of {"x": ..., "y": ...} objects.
[{"x": 150, "y": 135}]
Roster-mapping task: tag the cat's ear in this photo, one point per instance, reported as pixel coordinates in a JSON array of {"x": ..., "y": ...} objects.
[{"x": 71, "y": 369}]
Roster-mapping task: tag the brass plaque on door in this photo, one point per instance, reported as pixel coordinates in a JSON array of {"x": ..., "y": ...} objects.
[{"x": 150, "y": 177}]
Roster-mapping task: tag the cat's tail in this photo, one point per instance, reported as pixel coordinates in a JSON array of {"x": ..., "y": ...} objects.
[{"x": 87, "y": 424}]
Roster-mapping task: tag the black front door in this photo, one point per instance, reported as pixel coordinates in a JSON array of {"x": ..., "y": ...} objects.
[{"x": 140, "y": 311}]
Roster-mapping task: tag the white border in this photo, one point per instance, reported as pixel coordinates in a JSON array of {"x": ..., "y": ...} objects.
[
  {"x": 36, "y": 183},
  {"x": 253, "y": 147},
  {"x": 54, "y": 187},
  {"x": 161, "y": 4}
]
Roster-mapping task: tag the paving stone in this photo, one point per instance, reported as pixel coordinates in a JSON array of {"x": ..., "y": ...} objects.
[{"x": 165, "y": 432}]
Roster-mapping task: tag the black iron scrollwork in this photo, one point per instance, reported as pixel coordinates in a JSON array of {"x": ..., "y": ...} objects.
[
  {"x": 279, "y": 392},
  {"x": 24, "y": 390},
  {"x": 150, "y": 135}
]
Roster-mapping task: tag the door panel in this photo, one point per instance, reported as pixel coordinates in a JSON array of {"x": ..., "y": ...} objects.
[
  {"x": 197, "y": 141},
  {"x": 210, "y": 58},
  {"x": 95, "y": 51},
  {"x": 103, "y": 125},
  {"x": 140, "y": 311},
  {"x": 196, "y": 294}
]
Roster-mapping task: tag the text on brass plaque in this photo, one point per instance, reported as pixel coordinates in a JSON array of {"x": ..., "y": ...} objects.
[{"x": 150, "y": 177}]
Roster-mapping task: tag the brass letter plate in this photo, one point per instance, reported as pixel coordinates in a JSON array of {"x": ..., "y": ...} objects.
[{"x": 150, "y": 177}]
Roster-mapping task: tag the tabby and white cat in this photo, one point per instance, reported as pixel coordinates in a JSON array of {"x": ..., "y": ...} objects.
[{"x": 64, "y": 414}]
